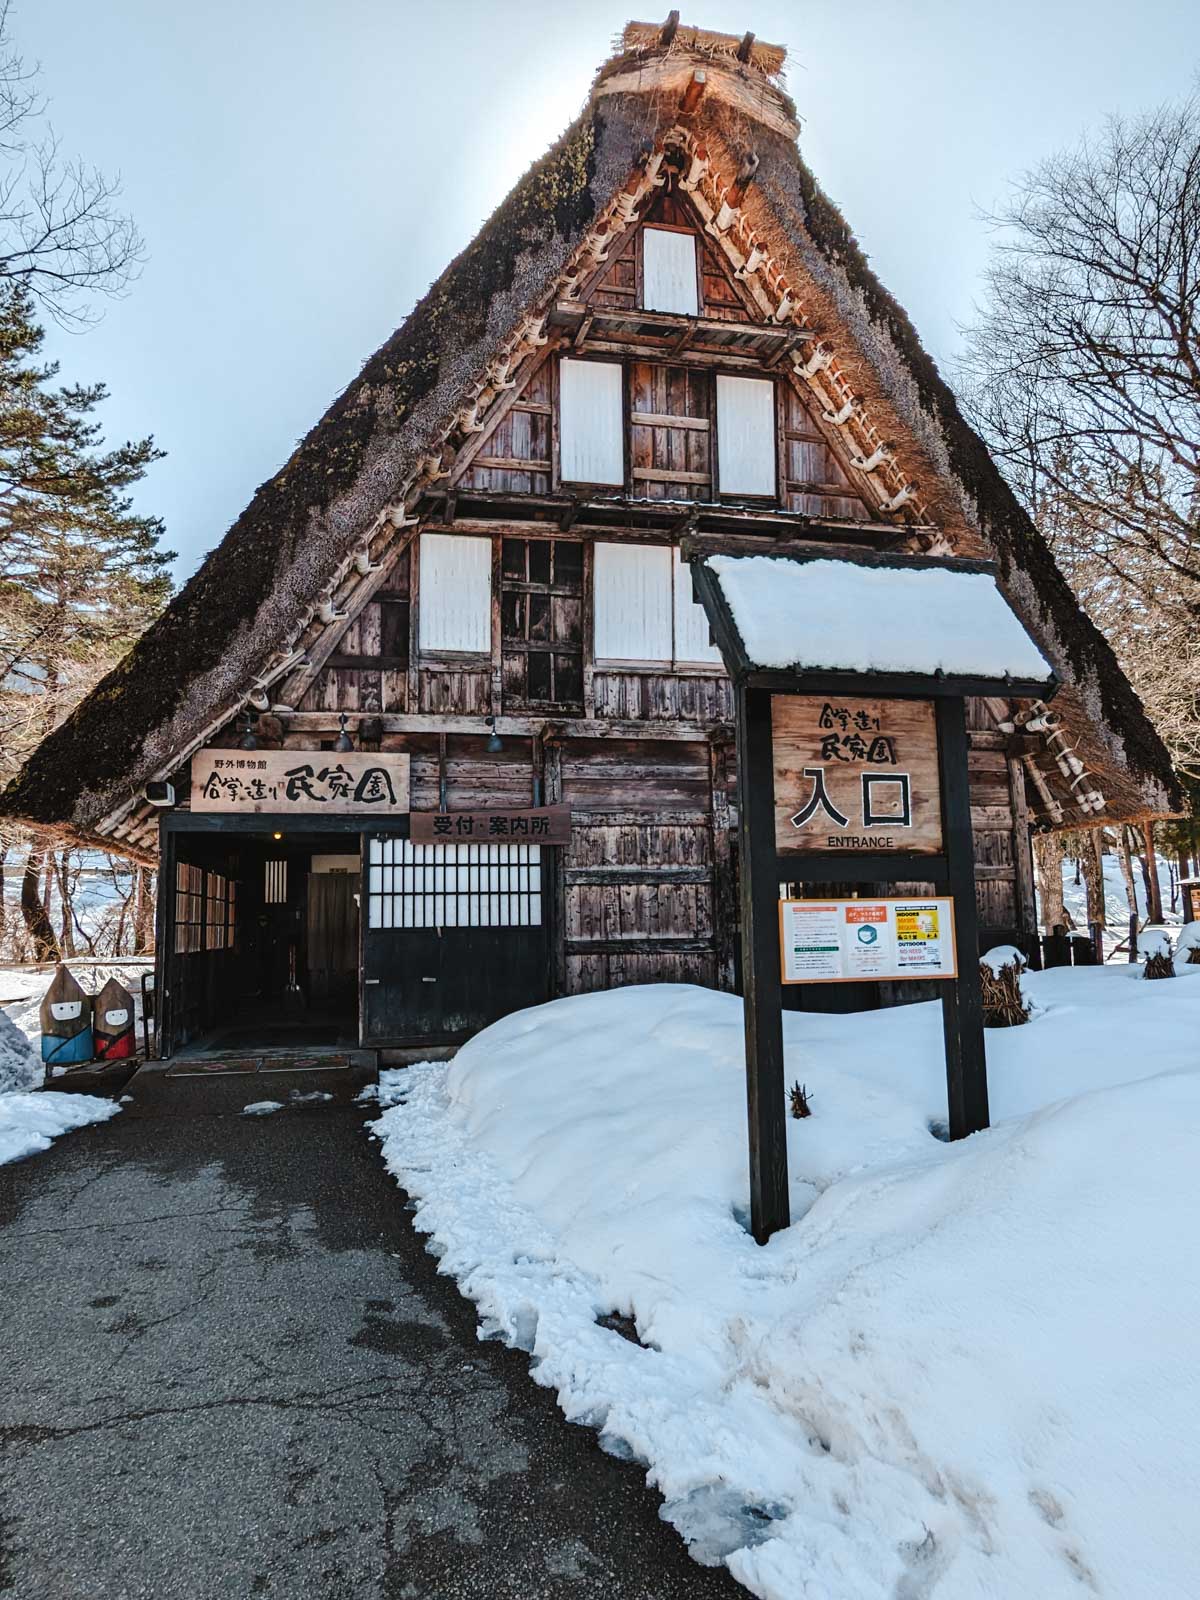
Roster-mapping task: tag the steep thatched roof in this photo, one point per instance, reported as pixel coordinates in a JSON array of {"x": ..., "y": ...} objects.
[{"x": 255, "y": 588}]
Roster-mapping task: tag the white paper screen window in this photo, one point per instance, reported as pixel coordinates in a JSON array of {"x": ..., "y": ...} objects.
[
  {"x": 746, "y": 435},
  {"x": 691, "y": 624},
  {"x": 669, "y": 271},
  {"x": 591, "y": 422},
  {"x": 633, "y": 602},
  {"x": 455, "y": 597},
  {"x": 453, "y": 885}
]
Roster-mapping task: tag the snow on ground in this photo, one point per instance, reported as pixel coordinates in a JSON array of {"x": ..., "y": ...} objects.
[
  {"x": 965, "y": 1371},
  {"x": 20, "y": 1064},
  {"x": 30, "y": 1123}
]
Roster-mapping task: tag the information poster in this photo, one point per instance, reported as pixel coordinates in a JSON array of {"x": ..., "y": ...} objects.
[{"x": 849, "y": 941}]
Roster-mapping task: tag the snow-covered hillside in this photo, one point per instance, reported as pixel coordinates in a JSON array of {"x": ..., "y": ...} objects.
[{"x": 965, "y": 1371}]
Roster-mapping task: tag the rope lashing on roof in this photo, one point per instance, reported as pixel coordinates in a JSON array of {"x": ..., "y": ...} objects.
[
  {"x": 1038, "y": 718},
  {"x": 881, "y": 453}
]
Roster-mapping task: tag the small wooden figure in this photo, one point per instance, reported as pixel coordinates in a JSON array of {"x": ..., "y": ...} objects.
[
  {"x": 66, "y": 1017},
  {"x": 112, "y": 1023}
]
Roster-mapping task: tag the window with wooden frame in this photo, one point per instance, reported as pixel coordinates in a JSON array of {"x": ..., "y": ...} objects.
[
  {"x": 670, "y": 274},
  {"x": 541, "y": 623},
  {"x": 591, "y": 422},
  {"x": 747, "y": 438},
  {"x": 189, "y": 908},
  {"x": 455, "y": 594},
  {"x": 644, "y": 610}
]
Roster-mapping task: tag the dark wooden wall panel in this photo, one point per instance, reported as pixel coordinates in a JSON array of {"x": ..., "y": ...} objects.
[{"x": 662, "y": 696}]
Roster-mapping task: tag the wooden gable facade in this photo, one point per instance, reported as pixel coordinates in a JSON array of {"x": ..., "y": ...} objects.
[{"x": 555, "y": 616}]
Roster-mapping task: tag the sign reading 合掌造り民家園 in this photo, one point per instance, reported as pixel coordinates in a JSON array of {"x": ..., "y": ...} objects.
[
  {"x": 856, "y": 775},
  {"x": 534, "y": 825},
  {"x": 848, "y": 941},
  {"x": 355, "y": 783}
]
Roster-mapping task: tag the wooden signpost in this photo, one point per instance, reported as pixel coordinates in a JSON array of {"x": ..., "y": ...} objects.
[{"x": 851, "y": 777}]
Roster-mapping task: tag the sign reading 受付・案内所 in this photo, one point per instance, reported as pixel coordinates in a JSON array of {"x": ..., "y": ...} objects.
[
  {"x": 533, "y": 825},
  {"x": 858, "y": 775},
  {"x": 355, "y": 783},
  {"x": 846, "y": 941}
]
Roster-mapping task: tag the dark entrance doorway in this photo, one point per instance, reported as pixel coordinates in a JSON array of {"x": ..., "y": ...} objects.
[
  {"x": 261, "y": 943},
  {"x": 454, "y": 936}
]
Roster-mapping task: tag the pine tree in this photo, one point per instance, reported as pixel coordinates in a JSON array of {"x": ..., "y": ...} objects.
[{"x": 81, "y": 573}]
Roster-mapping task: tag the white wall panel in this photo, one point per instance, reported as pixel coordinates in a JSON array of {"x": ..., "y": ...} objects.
[
  {"x": 455, "y": 596},
  {"x": 691, "y": 624},
  {"x": 669, "y": 271},
  {"x": 633, "y": 602},
  {"x": 591, "y": 422},
  {"x": 746, "y": 435}
]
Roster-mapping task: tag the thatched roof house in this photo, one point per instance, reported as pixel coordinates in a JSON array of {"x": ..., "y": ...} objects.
[{"x": 302, "y": 556}]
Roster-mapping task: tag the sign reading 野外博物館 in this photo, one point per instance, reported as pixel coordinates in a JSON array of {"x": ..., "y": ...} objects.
[
  {"x": 856, "y": 775},
  {"x": 844, "y": 941},
  {"x": 354, "y": 783}
]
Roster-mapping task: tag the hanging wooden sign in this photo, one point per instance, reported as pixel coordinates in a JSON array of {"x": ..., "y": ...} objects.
[
  {"x": 353, "y": 783},
  {"x": 66, "y": 1018},
  {"x": 534, "y": 825},
  {"x": 856, "y": 775}
]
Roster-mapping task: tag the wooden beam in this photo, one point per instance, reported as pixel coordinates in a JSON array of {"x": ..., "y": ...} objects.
[
  {"x": 319, "y": 724},
  {"x": 762, "y": 995},
  {"x": 745, "y": 48},
  {"x": 669, "y": 29},
  {"x": 962, "y": 1000},
  {"x": 694, "y": 92},
  {"x": 1022, "y": 846}
]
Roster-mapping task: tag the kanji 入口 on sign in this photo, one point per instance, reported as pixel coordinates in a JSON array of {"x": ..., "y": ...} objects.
[{"x": 858, "y": 775}]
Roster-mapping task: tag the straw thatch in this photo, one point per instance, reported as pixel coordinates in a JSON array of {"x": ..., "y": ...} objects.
[{"x": 253, "y": 591}]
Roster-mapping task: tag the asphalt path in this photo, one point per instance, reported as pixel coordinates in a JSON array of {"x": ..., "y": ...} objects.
[{"x": 229, "y": 1369}]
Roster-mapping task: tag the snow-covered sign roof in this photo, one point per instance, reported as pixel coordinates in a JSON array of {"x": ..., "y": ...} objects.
[{"x": 922, "y": 618}]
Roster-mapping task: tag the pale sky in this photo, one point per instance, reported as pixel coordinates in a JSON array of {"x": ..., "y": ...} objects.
[{"x": 304, "y": 169}]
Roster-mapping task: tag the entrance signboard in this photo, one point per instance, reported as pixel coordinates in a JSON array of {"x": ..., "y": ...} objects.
[
  {"x": 353, "y": 783},
  {"x": 848, "y": 941},
  {"x": 855, "y": 774}
]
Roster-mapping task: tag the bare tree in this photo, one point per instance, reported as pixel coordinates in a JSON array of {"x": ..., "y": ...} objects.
[
  {"x": 1083, "y": 371},
  {"x": 62, "y": 233}
]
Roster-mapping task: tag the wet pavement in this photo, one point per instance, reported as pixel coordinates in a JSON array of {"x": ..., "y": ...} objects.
[{"x": 230, "y": 1369}]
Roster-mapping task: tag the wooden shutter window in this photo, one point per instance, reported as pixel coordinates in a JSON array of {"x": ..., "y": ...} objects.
[
  {"x": 692, "y": 644},
  {"x": 591, "y": 422},
  {"x": 633, "y": 607},
  {"x": 746, "y": 435},
  {"x": 455, "y": 596},
  {"x": 669, "y": 271}
]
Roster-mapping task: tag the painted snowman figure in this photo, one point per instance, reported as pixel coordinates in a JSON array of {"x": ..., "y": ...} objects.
[
  {"x": 112, "y": 1026},
  {"x": 66, "y": 1017}
]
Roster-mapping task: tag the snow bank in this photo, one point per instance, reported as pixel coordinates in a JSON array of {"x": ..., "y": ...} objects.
[
  {"x": 30, "y": 1123},
  {"x": 20, "y": 1066},
  {"x": 841, "y": 615},
  {"x": 965, "y": 1371}
]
